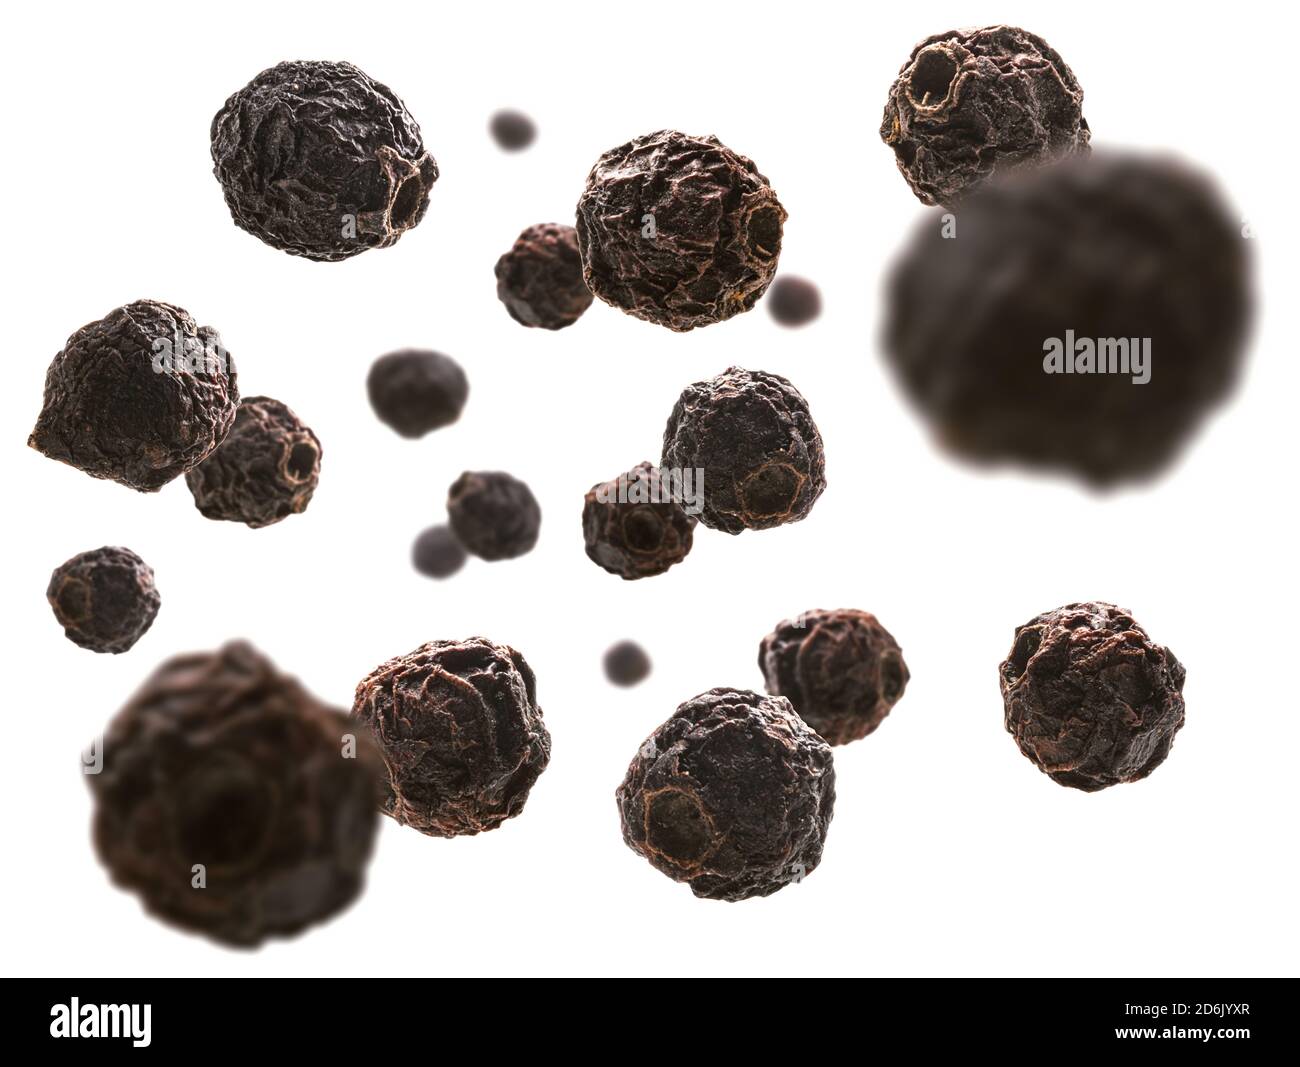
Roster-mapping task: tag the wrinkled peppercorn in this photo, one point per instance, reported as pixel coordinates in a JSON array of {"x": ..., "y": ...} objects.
[
  {"x": 320, "y": 160},
  {"x": 751, "y": 435},
  {"x": 461, "y": 734},
  {"x": 1089, "y": 698},
  {"x": 104, "y": 599},
  {"x": 493, "y": 514},
  {"x": 626, "y": 664},
  {"x": 1125, "y": 258},
  {"x": 264, "y": 471},
  {"x": 793, "y": 301},
  {"x": 540, "y": 279},
  {"x": 970, "y": 103},
  {"x": 678, "y": 230},
  {"x": 414, "y": 391},
  {"x": 140, "y": 396},
  {"x": 437, "y": 554},
  {"x": 841, "y": 670},
  {"x": 732, "y": 795},
  {"x": 233, "y": 801},
  {"x": 512, "y": 130},
  {"x": 634, "y": 526}
]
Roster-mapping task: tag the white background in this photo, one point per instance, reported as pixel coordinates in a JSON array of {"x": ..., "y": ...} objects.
[{"x": 949, "y": 852}]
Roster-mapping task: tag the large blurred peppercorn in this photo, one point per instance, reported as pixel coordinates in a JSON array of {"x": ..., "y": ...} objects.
[
  {"x": 461, "y": 733},
  {"x": 493, "y": 514},
  {"x": 634, "y": 525},
  {"x": 320, "y": 160},
  {"x": 416, "y": 391},
  {"x": 104, "y": 599},
  {"x": 751, "y": 441},
  {"x": 140, "y": 396},
  {"x": 540, "y": 279},
  {"x": 678, "y": 230},
  {"x": 235, "y": 803},
  {"x": 841, "y": 670},
  {"x": 1089, "y": 698},
  {"x": 1085, "y": 317},
  {"x": 969, "y": 103},
  {"x": 732, "y": 795},
  {"x": 264, "y": 471}
]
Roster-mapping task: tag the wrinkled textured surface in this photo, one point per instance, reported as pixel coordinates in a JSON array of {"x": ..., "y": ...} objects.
[
  {"x": 970, "y": 103},
  {"x": 110, "y": 413},
  {"x": 752, "y": 435},
  {"x": 841, "y": 670},
  {"x": 104, "y": 599},
  {"x": 637, "y": 530},
  {"x": 793, "y": 301},
  {"x": 716, "y": 230},
  {"x": 220, "y": 760},
  {"x": 1090, "y": 698},
  {"x": 461, "y": 734},
  {"x": 1116, "y": 246},
  {"x": 732, "y": 795},
  {"x": 415, "y": 391},
  {"x": 264, "y": 471},
  {"x": 626, "y": 663},
  {"x": 540, "y": 279},
  {"x": 437, "y": 554},
  {"x": 320, "y": 160},
  {"x": 493, "y": 514}
]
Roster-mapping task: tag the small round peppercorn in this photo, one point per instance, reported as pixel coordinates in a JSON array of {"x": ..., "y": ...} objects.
[
  {"x": 140, "y": 396},
  {"x": 233, "y": 801},
  {"x": 1090, "y": 698},
  {"x": 793, "y": 301},
  {"x": 493, "y": 514},
  {"x": 265, "y": 470},
  {"x": 732, "y": 795},
  {"x": 461, "y": 734},
  {"x": 841, "y": 670},
  {"x": 634, "y": 525},
  {"x": 104, "y": 599},
  {"x": 437, "y": 554},
  {"x": 678, "y": 230},
  {"x": 540, "y": 279},
  {"x": 512, "y": 130},
  {"x": 750, "y": 437},
  {"x": 416, "y": 391},
  {"x": 627, "y": 664}
]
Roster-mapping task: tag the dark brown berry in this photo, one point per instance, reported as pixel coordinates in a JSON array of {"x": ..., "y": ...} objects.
[
  {"x": 512, "y": 130},
  {"x": 493, "y": 514},
  {"x": 1089, "y": 698},
  {"x": 841, "y": 670},
  {"x": 634, "y": 525},
  {"x": 627, "y": 664},
  {"x": 540, "y": 279},
  {"x": 793, "y": 301},
  {"x": 461, "y": 734},
  {"x": 437, "y": 554},
  {"x": 140, "y": 396},
  {"x": 732, "y": 795},
  {"x": 104, "y": 599},
  {"x": 416, "y": 391},
  {"x": 678, "y": 230}
]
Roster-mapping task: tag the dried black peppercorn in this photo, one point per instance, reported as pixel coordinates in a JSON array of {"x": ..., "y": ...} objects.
[
  {"x": 512, "y": 130},
  {"x": 104, "y": 599},
  {"x": 634, "y": 525},
  {"x": 414, "y": 391},
  {"x": 793, "y": 301},
  {"x": 233, "y": 801},
  {"x": 1090, "y": 698},
  {"x": 493, "y": 514},
  {"x": 461, "y": 734},
  {"x": 732, "y": 795},
  {"x": 1132, "y": 261},
  {"x": 678, "y": 230},
  {"x": 437, "y": 554},
  {"x": 540, "y": 279},
  {"x": 140, "y": 396},
  {"x": 626, "y": 664},
  {"x": 970, "y": 103},
  {"x": 264, "y": 471},
  {"x": 752, "y": 438},
  {"x": 841, "y": 670},
  {"x": 320, "y": 160}
]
